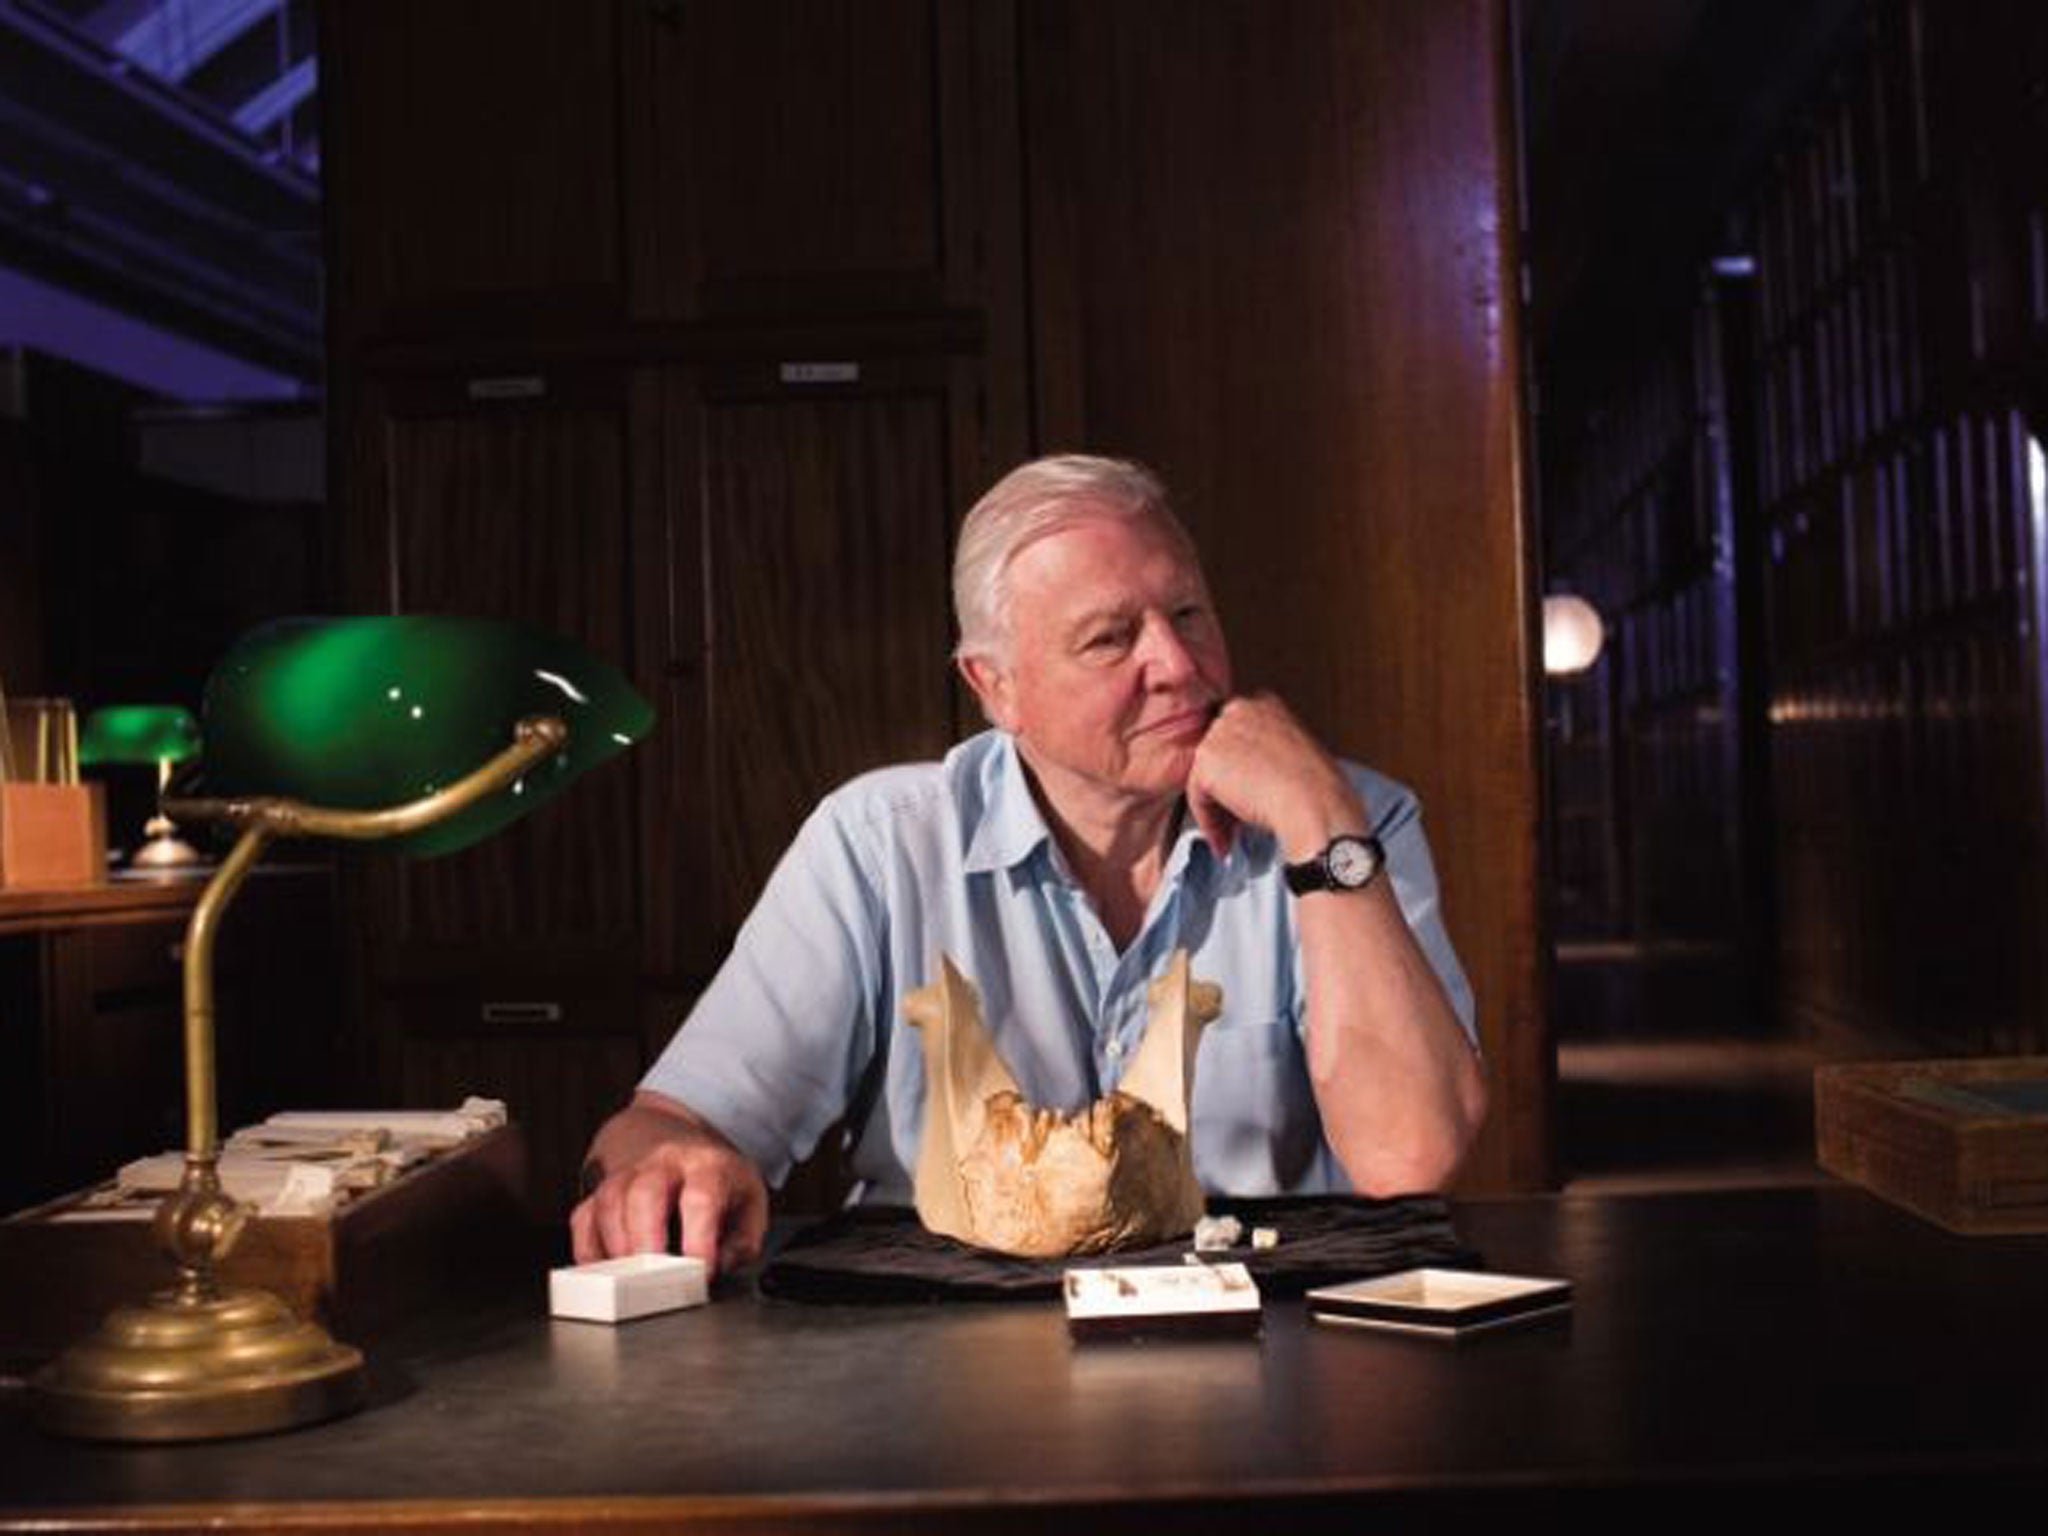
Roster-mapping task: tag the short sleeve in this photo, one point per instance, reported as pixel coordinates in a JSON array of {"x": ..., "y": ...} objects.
[
  {"x": 1397, "y": 823},
  {"x": 775, "y": 1047}
]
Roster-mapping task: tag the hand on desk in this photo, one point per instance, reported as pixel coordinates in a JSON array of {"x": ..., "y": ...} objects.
[{"x": 661, "y": 1163}]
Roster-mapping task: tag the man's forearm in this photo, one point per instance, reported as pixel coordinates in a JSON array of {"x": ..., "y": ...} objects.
[{"x": 1397, "y": 1083}]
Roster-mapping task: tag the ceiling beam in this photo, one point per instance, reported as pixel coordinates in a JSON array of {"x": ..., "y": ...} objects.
[
  {"x": 177, "y": 36},
  {"x": 280, "y": 97}
]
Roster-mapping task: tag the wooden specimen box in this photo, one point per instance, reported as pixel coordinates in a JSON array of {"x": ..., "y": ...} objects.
[
  {"x": 453, "y": 1221},
  {"x": 1962, "y": 1143}
]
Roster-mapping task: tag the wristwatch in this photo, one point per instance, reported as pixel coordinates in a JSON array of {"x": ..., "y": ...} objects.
[{"x": 1347, "y": 863}]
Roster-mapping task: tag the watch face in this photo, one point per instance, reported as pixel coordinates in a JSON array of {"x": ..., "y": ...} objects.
[{"x": 1352, "y": 862}]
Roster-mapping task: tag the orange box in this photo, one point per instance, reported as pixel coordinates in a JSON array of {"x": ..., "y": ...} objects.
[{"x": 52, "y": 834}]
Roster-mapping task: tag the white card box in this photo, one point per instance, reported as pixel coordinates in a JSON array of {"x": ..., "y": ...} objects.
[
  {"x": 619, "y": 1290},
  {"x": 1161, "y": 1299}
]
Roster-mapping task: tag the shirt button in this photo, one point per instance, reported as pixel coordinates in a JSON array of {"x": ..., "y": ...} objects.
[{"x": 1114, "y": 1050}]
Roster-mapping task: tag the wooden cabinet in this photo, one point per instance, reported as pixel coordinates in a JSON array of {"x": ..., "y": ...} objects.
[
  {"x": 693, "y": 330},
  {"x": 510, "y": 969},
  {"x": 809, "y": 159},
  {"x": 764, "y": 550},
  {"x": 472, "y": 164},
  {"x": 687, "y": 332},
  {"x": 813, "y": 636},
  {"x": 666, "y": 160},
  {"x": 91, "y": 1020},
  {"x": 510, "y": 508}
]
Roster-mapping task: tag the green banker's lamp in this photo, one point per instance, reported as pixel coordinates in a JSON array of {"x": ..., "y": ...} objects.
[
  {"x": 159, "y": 735},
  {"x": 429, "y": 733}
]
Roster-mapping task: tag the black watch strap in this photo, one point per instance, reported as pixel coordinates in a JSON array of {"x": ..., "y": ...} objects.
[{"x": 1347, "y": 863}]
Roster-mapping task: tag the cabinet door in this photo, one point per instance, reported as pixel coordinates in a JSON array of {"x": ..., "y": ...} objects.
[
  {"x": 510, "y": 969},
  {"x": 558, "y": 1080},
  {"x": 470, "y": 503},
  {"x": 813, "y": 633},
  {"x": 473, "y": 166},
  {"x": 814, "y": 158},
  {"x": 92, "y": 1059}
]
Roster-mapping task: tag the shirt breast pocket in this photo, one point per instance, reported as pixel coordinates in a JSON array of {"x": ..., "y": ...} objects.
[{"x": 1256, "y": 1129}]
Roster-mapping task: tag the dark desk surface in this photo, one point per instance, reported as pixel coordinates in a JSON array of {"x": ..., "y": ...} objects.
[{"x": 1721, "y": 1343}]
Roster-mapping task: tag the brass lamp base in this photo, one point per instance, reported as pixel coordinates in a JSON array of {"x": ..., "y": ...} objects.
[
  {"x": 162, "y": 848},
  {"x": 199, "y": 1362},
  {"x": 185, "y": 1368}
]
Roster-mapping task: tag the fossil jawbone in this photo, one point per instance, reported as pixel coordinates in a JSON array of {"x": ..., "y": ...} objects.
[{"x": 996, "y": 1172}]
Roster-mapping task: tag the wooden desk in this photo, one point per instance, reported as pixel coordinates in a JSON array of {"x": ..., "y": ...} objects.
[{"x": 1723, "y": 1346}]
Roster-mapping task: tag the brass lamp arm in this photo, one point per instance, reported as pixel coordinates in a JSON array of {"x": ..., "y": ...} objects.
[
  {"x": 535, "y": 738},
  {"x": 264, "y": 818}
]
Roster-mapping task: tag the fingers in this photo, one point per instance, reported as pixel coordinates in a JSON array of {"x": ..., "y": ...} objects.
[
  {"x": 583, "y": 1244},
  {"x": 702, "y": 1206},
  {"x": 1218, "y": 827},
  {"x": 1259, "y": 766},
  {"x": 628, "y": 1213},
  {"x": 695, "y": 1181},
  {"x": 724, "y": 1212},
  {"x": 747, "y": 1228},
  {"x": 645, "y": 1206}
]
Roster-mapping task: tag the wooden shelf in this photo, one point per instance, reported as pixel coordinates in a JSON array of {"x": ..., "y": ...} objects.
[{"x": 115, "y": 901}]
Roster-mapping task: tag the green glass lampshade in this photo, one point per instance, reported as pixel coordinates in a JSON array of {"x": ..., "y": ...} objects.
[
  {"x": 368, "y": 712},
  {"x": 138, "y": 733}
]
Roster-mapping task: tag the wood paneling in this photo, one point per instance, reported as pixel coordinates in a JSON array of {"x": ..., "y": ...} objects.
[
  {"x": 474, "y": 146},
  {"x": 1275, "y": 262},
  {"x": 824, "y": 158},
  {"x": 91, "y": 1022},
  {"x": 515, "y": 511},
  {"x": 825, "y": 524},
  {"x": 793, "y": 153},
  {"x": 552, "y": 1081}
]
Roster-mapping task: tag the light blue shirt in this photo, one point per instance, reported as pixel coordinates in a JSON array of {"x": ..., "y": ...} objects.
[{"x": 903, "y": 864}]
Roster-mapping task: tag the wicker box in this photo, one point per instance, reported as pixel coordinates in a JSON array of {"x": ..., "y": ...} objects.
[{"x": 1962, "y": 1143}]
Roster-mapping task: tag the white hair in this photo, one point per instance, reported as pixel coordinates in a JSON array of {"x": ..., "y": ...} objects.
[{"x": 1030, "y": 502}]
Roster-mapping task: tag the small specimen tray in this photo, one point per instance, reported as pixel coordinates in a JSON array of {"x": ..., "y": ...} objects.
[
  {"x": 1154, "y": 1299},
  {"x": 1447, "y": 1302}
]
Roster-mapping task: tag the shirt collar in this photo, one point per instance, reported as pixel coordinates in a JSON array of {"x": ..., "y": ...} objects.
[{"x": 1012, "y": 828}]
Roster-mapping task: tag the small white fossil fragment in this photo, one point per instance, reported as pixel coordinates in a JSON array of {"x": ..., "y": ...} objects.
[
  {"x": 1265, "y": 1237},
  {"x": 1215, "y": 1233}
]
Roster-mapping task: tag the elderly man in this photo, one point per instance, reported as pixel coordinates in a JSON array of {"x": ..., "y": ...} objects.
[{"x": 1125, "y": 805}]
